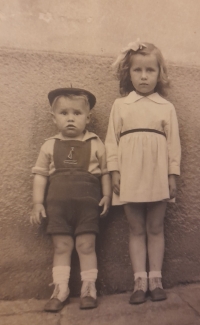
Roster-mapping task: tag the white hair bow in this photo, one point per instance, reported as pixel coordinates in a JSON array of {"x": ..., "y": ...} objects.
[{"x": 135, "y": 46}]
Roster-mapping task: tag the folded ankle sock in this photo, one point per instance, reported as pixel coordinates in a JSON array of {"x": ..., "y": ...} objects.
[
  {"x": 155, "y": 280},
  {"x": 155, "y": 274},
  {"x": 61, "y": 274},
  {"x": 140, "y": 275},
  {"x": 89, "y": 275},
  {"x": 60, "y": 280},
  {"x": 88, "y": 287},
  {"x": 140, "y": 281}
]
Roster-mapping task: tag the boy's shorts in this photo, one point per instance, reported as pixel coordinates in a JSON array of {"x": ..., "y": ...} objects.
[{"x": 72, "y": 203}]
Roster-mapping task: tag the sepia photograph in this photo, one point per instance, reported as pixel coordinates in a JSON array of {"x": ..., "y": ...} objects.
[{"x": 100, "y": 162}]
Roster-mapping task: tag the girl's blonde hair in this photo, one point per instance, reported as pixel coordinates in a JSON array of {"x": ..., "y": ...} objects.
[{"x": 123, "y": 70}]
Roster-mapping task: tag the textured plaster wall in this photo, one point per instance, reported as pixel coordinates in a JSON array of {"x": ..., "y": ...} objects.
[{"x": 26, "y": 252}]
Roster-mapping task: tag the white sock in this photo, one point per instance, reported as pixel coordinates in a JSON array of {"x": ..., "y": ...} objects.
[
  {"x": 141, "y": 284},
  {"x": 88, "y": 287},
  {"x": 140, "y": 275},
  {"x": 60, "y": 280},
  {"x": 155, "y": 274},
  {"x": 155, "y": 280},
  {"x": 89, "y": 275}
]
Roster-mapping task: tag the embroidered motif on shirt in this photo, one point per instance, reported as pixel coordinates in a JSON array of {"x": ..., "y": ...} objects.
[{"x": 70, "y": 156}]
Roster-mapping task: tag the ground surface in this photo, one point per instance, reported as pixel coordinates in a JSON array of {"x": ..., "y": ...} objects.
[{"x": 181, "y": 308}]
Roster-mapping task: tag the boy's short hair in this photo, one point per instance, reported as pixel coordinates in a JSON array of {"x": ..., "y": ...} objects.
[{"x": 77, "y": 92}]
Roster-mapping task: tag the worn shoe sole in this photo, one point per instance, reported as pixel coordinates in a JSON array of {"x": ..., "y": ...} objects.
[
  {"x": 54, "y": 305},
  {"x": 158, "y": 294},
  {"x": 88, "y": 303},
  {"x": 138, "y": 297}
]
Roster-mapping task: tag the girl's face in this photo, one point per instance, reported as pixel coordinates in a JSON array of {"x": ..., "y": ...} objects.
[{"x": 144, "y": 73}]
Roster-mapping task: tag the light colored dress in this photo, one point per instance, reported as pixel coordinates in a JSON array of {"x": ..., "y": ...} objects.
[{"x": 143, "y": 144}]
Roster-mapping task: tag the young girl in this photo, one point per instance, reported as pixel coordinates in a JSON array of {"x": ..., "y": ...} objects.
[{"x": 143, "y": 156}]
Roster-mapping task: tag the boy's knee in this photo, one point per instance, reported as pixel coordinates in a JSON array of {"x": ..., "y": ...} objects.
[
  {"x": 85, "y": 246},
  {"x": 63, "y": 246}
]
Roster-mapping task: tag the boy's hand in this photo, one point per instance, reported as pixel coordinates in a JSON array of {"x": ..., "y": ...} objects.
[
  {"x": 37, "y": 213},
  {"x": 105, "y": 202},
  {"x": 172, "y": 186},
  {"x": 116, "y": 182}
]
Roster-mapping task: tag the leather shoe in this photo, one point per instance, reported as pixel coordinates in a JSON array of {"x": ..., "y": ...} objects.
[
  {"x": 88, "y": 302},
  {"x": 54, "y": 305},
  {"x": 158, "y": 294},
  {"x": 138, "y": 297}
]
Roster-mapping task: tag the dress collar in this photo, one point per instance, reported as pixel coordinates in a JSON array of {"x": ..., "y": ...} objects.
[
  {"x": 88, "y": 135},
  {"x": 134, "y": 97}
]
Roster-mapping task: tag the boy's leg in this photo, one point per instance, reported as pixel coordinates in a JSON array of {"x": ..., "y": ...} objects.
[
  {"x": 85, "y": 246},
  {"x": 155, "y": 234},
  {"x": 135, "y": 213},
  {"x": 63, "y": 246}
]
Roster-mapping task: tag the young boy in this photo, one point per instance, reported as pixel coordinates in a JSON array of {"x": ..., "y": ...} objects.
[{"x": 74, "y": 163}]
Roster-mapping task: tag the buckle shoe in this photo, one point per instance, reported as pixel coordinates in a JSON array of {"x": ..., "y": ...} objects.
[
  {"x": 54, "y": 305},
  {"x": 158, "y": 294},
  {"x": 88, "y": 296},
  {"x": 139, "y": 294},
  {"x": 156, "y": 289},
  {"x": 56, "y": 302}
]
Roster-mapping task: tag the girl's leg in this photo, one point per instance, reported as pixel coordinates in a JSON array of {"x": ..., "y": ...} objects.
[
  {"x": 63, "y": 246},
  {"x": 155, "y": 235},
  {"x": 85, "y": 246},
  {"x": 135, "y": 213}
]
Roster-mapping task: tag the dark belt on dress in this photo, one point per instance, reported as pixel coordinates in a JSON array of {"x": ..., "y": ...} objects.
[{"x": 141, "y": 130}]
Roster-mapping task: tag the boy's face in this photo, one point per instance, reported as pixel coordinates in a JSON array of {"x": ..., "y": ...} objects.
[{"x": 71, "y": 117}]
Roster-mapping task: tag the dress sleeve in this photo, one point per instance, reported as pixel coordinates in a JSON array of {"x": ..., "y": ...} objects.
[
  {"x": 112, "y": 138},
  {"x": 42, "y": 164},
  {"x": 173, "y": 144}
]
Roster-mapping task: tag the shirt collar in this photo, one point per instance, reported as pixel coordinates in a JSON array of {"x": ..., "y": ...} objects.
[
  {"x": 134, "y": 97},
  {"x": 88, "y": 135}
]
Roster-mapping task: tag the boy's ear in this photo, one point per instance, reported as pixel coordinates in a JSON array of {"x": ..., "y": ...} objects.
[
  {"x": 89, "y": 118},
  {"x": 53, "y": 117}
]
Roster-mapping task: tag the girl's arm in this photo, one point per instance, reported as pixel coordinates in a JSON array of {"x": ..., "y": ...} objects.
[
  {"x": 174, "y": 151},
  {"x": 112, "y": 138},
  {"x": 172, "y": 186},
  {"x": 107, "y": 194},
  {"x": 173, "y": 143},
  {"x": 111, "y": 143},
  {"x": 115, "y": 181},
  {"x": 39, "y": 187},
  {"x": 105, "y": 178}
]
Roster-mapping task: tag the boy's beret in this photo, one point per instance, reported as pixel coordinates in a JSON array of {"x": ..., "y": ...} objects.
[{"x": 71, "y": 91}]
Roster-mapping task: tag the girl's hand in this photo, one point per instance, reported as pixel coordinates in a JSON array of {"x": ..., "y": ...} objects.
[
  {"x": 116, "y": 182},
  {"x": 172, "y": 186},
  {"x": 105, "y": 202},
  {"x": 37, "y": 213}
]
